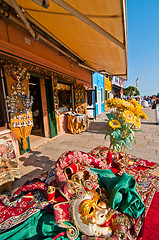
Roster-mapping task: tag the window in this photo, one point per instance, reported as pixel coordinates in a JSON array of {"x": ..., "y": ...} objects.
[
  {"x": 116, "y": 79},
  {"x": 110, "y": 79},
  {"x": 101, "y": 94},
  {"x": 95, "y": 93},
  {"x": 64, "y": 96},
  {"x": 106, "y": 97}
]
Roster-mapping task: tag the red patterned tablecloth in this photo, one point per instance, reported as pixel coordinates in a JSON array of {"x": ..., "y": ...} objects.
[{"x": 32, "y": 196}]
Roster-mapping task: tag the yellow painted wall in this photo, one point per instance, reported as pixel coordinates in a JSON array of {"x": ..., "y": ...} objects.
[{"x": 108, "y": 87}]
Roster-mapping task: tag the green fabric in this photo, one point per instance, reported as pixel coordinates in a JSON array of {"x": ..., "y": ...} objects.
[
  {"x": 40, "y": 226},
  {"x": 122, "y": 192}
]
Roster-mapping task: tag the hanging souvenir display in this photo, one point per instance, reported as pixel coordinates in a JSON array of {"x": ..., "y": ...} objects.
[
  {"x": 12, "y": 102},
  {"x": 21, "y": 125},
  {"x": 19, "y": 102},
  {"x": 27, "y": 100},
  {"x": 80, "y": 104},
  {"x": 18, "y": 89},
  {"x": 18, "y": 73},
  {"x": 56, "y": 95}
]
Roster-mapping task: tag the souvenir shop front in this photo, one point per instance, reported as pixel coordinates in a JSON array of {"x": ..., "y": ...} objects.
[
  {"x": 36, "y": 101},
  {"x": 41, "y": 83},
  {"x": 22, "y": 108}
]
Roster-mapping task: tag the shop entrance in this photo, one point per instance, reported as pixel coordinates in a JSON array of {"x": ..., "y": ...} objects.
[
  {"x": 34, "y": 89},
  {"x": 91, "y": 101}
]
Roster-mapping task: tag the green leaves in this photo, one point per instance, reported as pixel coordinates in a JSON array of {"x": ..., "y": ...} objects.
[
  {"x": 121, "y": 137},
  {"x": 127, "y": 143},
  {"x": 131, "y": 90},
  {"x": 107, "y": 132},
  {"x": 110, "y": 116},
  {"x": 137, "y": 130},
  {"x": 116, "y": 134}
]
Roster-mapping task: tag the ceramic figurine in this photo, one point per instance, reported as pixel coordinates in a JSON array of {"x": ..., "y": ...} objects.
[
  {"x": 30, "y": 123},
  {"x": 18, "y": 117},
  {"x": 20, "y": 111},
  {"x": 19, "y": 124},
  {"x": 13, "y": 124},
  {"x": 24, "y": 124}
]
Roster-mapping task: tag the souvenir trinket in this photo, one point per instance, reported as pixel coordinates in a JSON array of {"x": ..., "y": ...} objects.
[
  {"x": 18, "y": 89},
  {"x": 13, "y": 124},
  {"x": 27, "y": 100},
  {"x": 24, "y": 124},
  {"x": 19, "y": 125},
  {"x": 19, "y": 117},
  {"x": 18, "y": 73},
  {"x": 12, "y": 102},
  {"x": 29, "y": 116},
  {"x": 30, "y": 123},
  {"x": 20, "y": 110},
  {"x": 50, "y": 193}
]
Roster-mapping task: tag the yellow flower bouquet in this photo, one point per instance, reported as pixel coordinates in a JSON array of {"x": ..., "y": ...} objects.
[{"x": 123, "y": 122}]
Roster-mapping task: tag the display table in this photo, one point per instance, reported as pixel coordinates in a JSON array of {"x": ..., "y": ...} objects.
[
  {"x": 78, "y": 122},
  {"x": 9, "y": 168},
  {"x": 29, "y": 214}
]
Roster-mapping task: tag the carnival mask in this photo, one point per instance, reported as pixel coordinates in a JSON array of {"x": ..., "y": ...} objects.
[{"x": 91, "y": 215}]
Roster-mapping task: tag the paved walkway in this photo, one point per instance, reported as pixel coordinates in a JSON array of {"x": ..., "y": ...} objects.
[{"x": 42, "y": 158}]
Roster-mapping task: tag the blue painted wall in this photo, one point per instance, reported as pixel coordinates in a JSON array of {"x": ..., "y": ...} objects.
[{"x": 98, "y": 81}]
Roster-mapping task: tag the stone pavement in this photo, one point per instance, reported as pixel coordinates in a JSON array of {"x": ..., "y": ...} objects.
[{"x": 42, "y": 158}]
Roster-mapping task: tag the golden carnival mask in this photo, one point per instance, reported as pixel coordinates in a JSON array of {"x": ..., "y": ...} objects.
[{"x": 91, "y": 215}]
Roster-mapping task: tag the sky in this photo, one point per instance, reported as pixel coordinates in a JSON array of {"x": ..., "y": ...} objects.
[{"x": 143, "y": 45}]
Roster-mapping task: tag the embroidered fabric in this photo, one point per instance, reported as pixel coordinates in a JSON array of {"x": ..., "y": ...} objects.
[{"x": 74, "y": 169}]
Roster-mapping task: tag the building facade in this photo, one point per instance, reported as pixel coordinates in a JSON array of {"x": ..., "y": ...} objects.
[
  {"x": 99, "y": 95},
  {"x": 117, "y": 87},
  {"x": 108, "y": 89},
  {"x": 54, "y": 80}
]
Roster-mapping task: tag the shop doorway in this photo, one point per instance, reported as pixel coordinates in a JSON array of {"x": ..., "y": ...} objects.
[
  {"x": 91, "y": 101},
  {"x": 34, "y": 89},
  {"x": 50, "y": 107}
]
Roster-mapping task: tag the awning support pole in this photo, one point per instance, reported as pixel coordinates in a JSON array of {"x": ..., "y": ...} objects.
[
  {"x": 23, "y": 18},
  {"x": 88, "y": 21}
]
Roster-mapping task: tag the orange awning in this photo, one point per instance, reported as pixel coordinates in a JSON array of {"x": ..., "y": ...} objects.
[{"x": 95, "y": 31}]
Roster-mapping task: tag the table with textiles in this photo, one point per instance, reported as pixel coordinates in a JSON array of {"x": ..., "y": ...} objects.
[
  {"x": 78, "y": 123},
  {"x": 9, "y": 168},
  {"x": 43, "y": 208}
]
